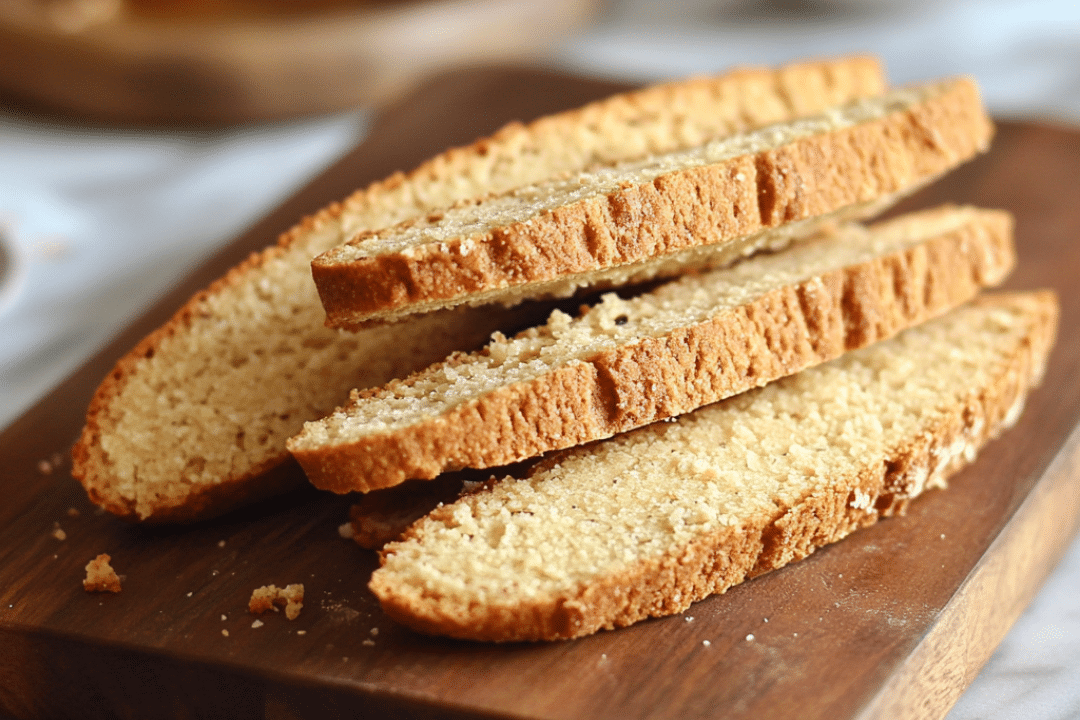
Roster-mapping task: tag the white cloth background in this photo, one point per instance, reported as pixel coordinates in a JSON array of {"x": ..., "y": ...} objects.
[{"x": 99, "y": 223}]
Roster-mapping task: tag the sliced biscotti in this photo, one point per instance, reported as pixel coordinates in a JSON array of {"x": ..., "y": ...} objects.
[
  {"x": 706, "y": 205},
  {"x": 187, "y": 423},
  {"x": 628, "y": 363},
  {"x": 648, "y": 522}
]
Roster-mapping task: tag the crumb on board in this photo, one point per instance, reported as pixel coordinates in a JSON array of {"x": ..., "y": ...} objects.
[
  {"x": 100, "y": 577},
  {"x": 225, "y": 632},
  {"x": 59, "y": 533},
  {"x": 73, "y": 512},
  {"x": 345, "y": 530},
  {"x": 269, "y": 597},
  {"x": 257, "y": 624}
]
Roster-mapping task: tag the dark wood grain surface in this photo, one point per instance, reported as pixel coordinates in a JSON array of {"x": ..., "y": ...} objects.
[{"x": 892, "y": 622}]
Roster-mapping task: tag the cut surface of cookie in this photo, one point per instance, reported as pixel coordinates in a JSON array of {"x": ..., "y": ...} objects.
[
  {"x": 690, "y": 342},
  {"x": 668, "y": 514},
  {"x": 656, "y": 216}
]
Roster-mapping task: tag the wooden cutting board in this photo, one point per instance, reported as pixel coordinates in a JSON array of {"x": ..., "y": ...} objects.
[{"x": 891, "y": 623}]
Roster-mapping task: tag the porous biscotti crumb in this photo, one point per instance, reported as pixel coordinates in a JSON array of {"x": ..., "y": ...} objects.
[
  {"x": 270, "y": 597},
  {"x": 100, "y": 576}
]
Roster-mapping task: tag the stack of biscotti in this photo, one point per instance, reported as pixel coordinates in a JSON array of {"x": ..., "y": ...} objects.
[
  {"x": 194, "y": 420},
  {"x": 665, "y": 214},
  {"x": 828, "y": 376},
  {"x": 778, "y": 338}
]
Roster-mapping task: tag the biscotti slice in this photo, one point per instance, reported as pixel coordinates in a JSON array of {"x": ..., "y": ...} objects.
[
  {"x": 648, "y": 522},
  {"x": 628, "y": 363},
  {"x": 187, "y": 423},
  {"x": 656, "y": 216}
]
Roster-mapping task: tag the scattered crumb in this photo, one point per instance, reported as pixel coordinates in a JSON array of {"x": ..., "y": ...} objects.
[
  {"x": 345, "y": 530},
  {"x": 224, "y": 618},
  {"x": 73, "y": 512},
  {"x": 795, "y": 634},
  {"x": 100, "y": 577},
  {"x": 942, "y": 536},
  {"x": 766, "y": 619},
  {"x": 374, "y": 631},
  {"x": 750, "y": 637},
  {"x": 225, "y": 632},
  {"x": 841, "y": 575},
  {"x": 257, "y": 624},
  {"x": 369, "y": 641},
  {"x": 44, "y": 467},
  {"x": 689, "y": 618},
  {"x": 221, "y": 543},
  {"x": 603, "y": 656},
  {"x": 270, "y": 597},
  {"x": 191, "y": 593},
  {"x": 301, "y": 632},
  {"x": 706, "y": 643},
  {"x": 59, "y": 534}
]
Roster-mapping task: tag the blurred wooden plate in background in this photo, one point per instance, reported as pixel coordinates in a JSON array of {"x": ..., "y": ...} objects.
[{"x": 226, "y": 61}]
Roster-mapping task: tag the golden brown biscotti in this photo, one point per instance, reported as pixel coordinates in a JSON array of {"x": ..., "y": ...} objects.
[
  {"x": 656, "y": 216},
  {"x": 189, "y": 422},
  {"x": 668, "y": 514},
  {"x": 628, "y": 363}
]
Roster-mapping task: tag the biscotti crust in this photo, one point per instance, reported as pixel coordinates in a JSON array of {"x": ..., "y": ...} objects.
[
  {"x": 654, "y": 378},
  {"x": 708, "y": 204},
  {"x": 214, "y": 469},
  {"x": 942, "y": 442}
]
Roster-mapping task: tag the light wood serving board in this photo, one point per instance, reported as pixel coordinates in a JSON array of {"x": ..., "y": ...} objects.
[{"x": 893, "y": 622}]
